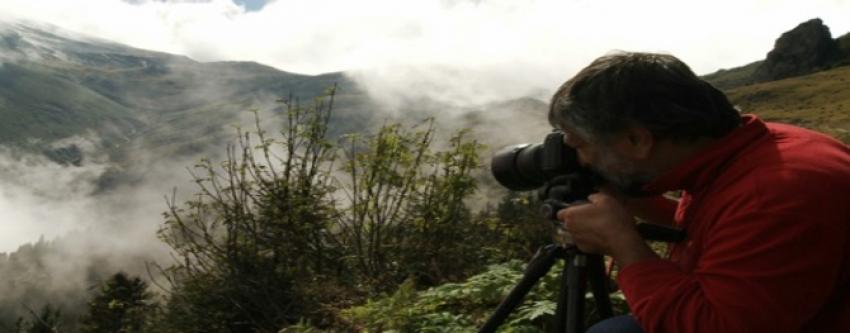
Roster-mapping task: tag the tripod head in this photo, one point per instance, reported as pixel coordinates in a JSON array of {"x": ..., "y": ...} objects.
[
  {"x": 562, "y": 191},
  {"x": 559, "y": 193}
]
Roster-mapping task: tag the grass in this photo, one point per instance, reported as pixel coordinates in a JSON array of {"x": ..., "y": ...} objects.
[{"x": 819, "y": 101}]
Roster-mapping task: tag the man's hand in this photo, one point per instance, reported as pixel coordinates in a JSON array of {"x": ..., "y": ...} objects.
[{"x": 604, "y": 226}]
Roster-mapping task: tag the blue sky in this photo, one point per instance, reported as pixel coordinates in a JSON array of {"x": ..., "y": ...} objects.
[{"x": 251, "y": 5}]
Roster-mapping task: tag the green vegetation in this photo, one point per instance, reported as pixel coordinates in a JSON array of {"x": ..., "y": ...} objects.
[
  {"x": 464, "y": 306},
  {"x": 122, "y": 304},
  {"x": 819, "y": 101},
  {"x": 735, "y": 77},
  {"x": 37, "y": 102},
  {"x": 47, "y": 320},
  {"x": 297, "y": 228},
  {"x": 30, "y": 294}
]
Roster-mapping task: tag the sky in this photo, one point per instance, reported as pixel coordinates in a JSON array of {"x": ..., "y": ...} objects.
[
  {"x": 462, "y": 50},
  {"x": 251, "y": 5}
]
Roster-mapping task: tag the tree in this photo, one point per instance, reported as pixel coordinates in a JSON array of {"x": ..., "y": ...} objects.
[
  {"x": 407, "y": 215},
  {"x": 45, "y": 321},
  {"x": 121, "y": 304},
  {"x": 277, "y": 235},
  {"x": 521, "y": 228},
  {"x": 256, "y": 238}
]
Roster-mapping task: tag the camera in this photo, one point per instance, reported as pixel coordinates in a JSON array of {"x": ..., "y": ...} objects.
[
  {"x": 526, "y": 167},
  {"x": 552, "y": 168}
]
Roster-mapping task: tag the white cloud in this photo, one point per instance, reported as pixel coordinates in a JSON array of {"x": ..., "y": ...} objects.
[
  {"x": 40, "y": 198},
  {"x": 492, "y": 48}
]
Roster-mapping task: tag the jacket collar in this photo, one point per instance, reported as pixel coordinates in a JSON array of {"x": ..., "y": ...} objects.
[{"x": 706, "y": 165}]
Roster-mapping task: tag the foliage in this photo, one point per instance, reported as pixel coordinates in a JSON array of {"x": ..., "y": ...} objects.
[
  {"x": 45, "y": 321},
  {"x": 255, "y": 235},
  {"x": 276, "y": 236},
  {"x": 404, "y": 196},
  {"x": 461, "y": 307},
  {"x": 519, "y": 229},
  {"x": 121, "y": 304},
  {"x": 36, "y": 275}
]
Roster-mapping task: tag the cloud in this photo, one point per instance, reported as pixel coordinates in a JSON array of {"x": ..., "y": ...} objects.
[
  {"x": 451, "y": 50},
  {"x": 41, "y": 198}
]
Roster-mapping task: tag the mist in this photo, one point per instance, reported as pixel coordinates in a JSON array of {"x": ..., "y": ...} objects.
[{"x": 40, "y": 198}]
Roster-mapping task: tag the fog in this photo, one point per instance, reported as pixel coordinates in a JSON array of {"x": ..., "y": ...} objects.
[{"x": 40, "y": 198}]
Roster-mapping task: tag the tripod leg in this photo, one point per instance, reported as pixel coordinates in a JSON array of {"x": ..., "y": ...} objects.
[
  {"x": 576, "y": 263},
  {"x": 560, "y": 321},
  {"x": 537, "y": 268},
  {"x": 599, "y": 286}
]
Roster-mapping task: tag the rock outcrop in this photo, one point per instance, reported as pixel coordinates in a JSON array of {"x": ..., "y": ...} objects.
[{"x": 807, "y": 48}]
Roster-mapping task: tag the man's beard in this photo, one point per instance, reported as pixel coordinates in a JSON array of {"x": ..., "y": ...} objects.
[{"x": 622, "y": 174}]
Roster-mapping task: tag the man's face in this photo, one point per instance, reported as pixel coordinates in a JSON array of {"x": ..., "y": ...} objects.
[{"x": 609, "y": 159}]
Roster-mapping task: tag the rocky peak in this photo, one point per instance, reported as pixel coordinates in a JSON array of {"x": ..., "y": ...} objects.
[{"x": 807, "y": 48}]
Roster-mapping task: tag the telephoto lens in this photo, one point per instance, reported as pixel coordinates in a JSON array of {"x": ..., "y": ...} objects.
[{"x": 526, "y": 167}]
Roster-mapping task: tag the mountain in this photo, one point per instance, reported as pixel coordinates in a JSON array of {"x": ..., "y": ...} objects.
[
  {"x": 57, "y": 88},
  {"x": 806, "y": 49}
]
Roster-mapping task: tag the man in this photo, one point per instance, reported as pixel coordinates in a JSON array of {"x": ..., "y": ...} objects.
[{"x": 766, "y": 207}]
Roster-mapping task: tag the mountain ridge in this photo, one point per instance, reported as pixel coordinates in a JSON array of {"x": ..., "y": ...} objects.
[
  {"x": 56, "y": 85},
  {"x": 805, "y": 49}
]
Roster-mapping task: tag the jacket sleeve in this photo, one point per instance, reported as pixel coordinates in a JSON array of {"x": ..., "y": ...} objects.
[{"x": 768, "y": 263}]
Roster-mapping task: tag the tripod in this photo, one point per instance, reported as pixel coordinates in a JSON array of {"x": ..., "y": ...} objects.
[{"x": 579, "y": 268}]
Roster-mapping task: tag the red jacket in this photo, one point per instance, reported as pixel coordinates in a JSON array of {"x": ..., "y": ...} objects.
[{"x": 767, "y": 213}]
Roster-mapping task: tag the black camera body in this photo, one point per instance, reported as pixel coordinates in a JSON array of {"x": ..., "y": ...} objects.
[
  {"x": 526, "y": 167},
  {"x": 552, "y": 168}
]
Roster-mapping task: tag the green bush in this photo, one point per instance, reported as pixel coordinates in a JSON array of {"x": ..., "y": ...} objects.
[
  {"x": 120, "y": 304},
  {"x": 463, "y": 307},
  {"x": 297, "y": 228}
]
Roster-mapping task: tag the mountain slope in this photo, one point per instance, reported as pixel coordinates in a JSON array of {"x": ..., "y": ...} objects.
[
  {"x": 819, "y": 101},
  {"x": 56, "y": 85}
]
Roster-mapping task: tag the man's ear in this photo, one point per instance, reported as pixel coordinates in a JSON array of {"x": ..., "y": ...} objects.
[{"x": 640, "y": 142}]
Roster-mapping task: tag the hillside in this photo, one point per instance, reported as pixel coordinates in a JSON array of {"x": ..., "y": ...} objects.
[
  {"x": 820, "y": 101},
  {"x": 56, "y": 86}
]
